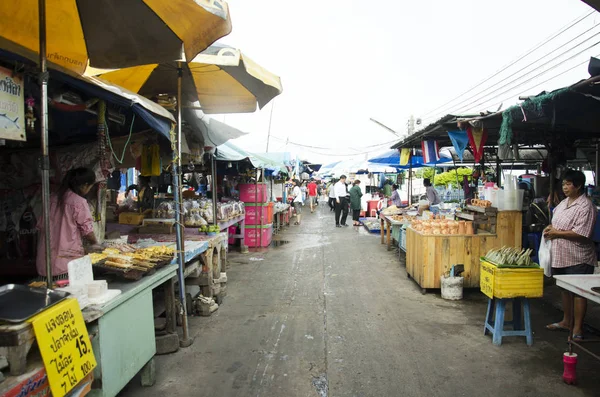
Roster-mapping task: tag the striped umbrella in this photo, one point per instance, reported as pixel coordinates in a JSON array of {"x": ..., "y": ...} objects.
[
  {"x": 114, "y": 33},
  {"x": 221, "y": 78}
]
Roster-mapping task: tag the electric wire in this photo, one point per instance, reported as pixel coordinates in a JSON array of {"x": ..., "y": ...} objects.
[
  {"x": 527, "y": 53},
  {"x": 484, "y": 91},
  {"x": 479, "y": 105}
]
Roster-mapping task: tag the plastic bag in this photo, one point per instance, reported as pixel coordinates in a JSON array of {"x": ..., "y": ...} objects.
[{"x": 545, "y": 256}]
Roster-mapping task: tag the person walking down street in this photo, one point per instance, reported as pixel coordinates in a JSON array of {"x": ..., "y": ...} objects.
[
  {"x": 297, "y": 201},
  {"x": 396, "y": 200},
  {"x": 432, "y": 195},
  {"x": 573, "y": 251},
  {"x": 331, "y": 194},
  {"x": 312, "y": 195},
  {"x": 341, "y": 203},
  {"x": 355, "y": 195}
]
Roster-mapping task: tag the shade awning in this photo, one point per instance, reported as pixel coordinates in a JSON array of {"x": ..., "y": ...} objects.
[{"x": 230, "y": 152}]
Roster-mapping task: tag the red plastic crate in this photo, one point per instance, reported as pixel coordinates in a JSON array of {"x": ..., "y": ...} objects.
[
  {"x": 252, "y": 236},
  {"x": 251, "y": 193}
]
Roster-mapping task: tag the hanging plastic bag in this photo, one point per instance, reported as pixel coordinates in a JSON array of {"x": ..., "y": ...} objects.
[{"x": 545, "y": 256}]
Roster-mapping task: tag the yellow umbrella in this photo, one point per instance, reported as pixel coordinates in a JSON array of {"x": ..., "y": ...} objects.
[
  {"x": 114, "y": 33},
  {"x": 221, "y": 78}
]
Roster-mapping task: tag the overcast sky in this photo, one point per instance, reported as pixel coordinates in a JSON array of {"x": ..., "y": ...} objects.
[{"x": 344, "y": 61}]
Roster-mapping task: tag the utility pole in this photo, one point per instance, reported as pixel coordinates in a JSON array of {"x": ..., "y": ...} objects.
[{"x": 270, "y": 120}]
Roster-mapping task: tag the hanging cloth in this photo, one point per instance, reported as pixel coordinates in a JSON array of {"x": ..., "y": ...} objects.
[
  {"x": 404, "y": 156},
  {"x": 477, "y": 139},
  {"x": 460, "y": 140},
  {"x": 151, "y": 163}
]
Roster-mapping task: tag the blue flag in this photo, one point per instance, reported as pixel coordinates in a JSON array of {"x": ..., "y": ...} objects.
[{"x": 460, "y": 140}]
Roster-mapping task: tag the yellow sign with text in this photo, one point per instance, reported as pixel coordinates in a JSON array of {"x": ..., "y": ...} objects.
[
  {"x": 486, "y": 279},
  {"x": 65, "y": 346}
]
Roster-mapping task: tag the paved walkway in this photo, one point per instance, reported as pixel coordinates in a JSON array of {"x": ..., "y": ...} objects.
[{"x": 332, "y": 313}]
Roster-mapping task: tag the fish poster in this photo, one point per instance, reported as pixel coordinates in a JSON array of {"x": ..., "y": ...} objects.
[{"x": 12, "y": 106}]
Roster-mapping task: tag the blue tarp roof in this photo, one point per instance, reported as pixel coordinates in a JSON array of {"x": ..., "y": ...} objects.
[{"x": 392, "y": 159}]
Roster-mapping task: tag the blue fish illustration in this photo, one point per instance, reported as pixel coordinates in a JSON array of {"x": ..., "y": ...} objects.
[{"x": 7, "y": 123}]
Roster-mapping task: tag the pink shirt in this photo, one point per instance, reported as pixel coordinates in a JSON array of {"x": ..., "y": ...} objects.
[
  {"x": 67, "y": 225},
  {"x": 579, "y": 217}
]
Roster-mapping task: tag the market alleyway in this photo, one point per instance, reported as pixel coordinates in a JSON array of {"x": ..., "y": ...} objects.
[{"x": 332, "y": 313}]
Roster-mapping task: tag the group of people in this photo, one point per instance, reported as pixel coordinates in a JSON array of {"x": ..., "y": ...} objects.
[
  {"x": 343, "y": 198},
  {"x": 301, "y": 192}
]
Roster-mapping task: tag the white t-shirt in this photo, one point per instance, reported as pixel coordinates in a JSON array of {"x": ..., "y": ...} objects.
[{"x": 297, "y": 193}]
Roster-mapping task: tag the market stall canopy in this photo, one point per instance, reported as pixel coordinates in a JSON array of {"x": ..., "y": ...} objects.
[
  {"x": 230, "y": 152},
  {"x": 326, "y": 169},
  {"x": 221, "y": 78},
  {"x": 114, "y": 33},
  {"x": 595, "y": 4},
  {"x": 213, "y": 132},
  {"x": 392, "y": 158},
  {"x": 153, "y": 114}
]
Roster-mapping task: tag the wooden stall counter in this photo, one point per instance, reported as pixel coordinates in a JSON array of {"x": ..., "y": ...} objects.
[{"x": 430, "y": 256}]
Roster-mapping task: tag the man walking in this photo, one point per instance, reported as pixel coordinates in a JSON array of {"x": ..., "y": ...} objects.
[
  {"x": 341, "y": 202},
  {"x": 312, "y": 194},
  {"x": 331, "y": 194}
]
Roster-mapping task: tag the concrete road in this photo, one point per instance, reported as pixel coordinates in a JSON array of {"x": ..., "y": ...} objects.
[{"x": 332, "y": 313}]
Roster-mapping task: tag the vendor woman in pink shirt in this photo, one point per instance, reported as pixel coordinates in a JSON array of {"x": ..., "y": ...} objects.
[
  {"x": 70, "y": 222},
  {"x": 573, "y": 251}
]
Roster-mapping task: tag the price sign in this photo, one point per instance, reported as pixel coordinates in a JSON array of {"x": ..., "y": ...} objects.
[
  {"x": 65, "y": 346},
  {"x": 486, "y": 279}
]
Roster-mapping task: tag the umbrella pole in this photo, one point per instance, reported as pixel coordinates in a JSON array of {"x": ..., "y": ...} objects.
[
  {"x": 185, "y": 341},
  {"x": 213, "y": 179},
  {"x": 45, "y": 160}
]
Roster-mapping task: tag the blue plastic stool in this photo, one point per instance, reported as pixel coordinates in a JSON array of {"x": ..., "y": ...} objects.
[{"x": 496, "y": 326}]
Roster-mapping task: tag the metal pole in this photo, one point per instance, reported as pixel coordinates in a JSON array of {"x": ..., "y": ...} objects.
[
  {"x": 410, "y": 180},
  {"x": 261, "y": 218},
  {"x": 213, "y": 177},
  {"x": 185, "y": 340},
  {"x": 270, "y": 119},
  {"x": 45, "y": 160}
]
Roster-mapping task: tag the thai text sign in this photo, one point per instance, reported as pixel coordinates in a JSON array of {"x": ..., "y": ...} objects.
[
  {"x": 486, "y": 279},
  {"x": 65, "y": 346},
  {"x": 12, "y": 106}
]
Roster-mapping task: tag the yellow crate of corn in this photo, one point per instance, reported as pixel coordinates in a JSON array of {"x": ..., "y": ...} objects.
[{"x": 511, "y": 281}]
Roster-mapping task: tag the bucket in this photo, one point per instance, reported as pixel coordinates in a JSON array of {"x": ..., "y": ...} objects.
[{"x": 452, "y": 288}]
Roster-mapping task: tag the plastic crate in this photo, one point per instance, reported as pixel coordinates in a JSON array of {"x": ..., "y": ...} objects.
[
  {"x": 251, "y": 193},
  {"x": 504, "y": 283},
  {"x": 254, "y": 236},
  {"x": 131, "y": 218}
]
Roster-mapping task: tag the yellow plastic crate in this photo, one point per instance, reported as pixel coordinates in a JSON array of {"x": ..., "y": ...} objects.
[
  {"x": 130, "y": 218},
  {"x": 507, "y": 283}
]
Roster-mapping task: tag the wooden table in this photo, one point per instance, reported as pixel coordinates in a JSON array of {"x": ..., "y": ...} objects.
[
  {"x": 386, "y": 224},
  {"x": 429, "y": 256}
]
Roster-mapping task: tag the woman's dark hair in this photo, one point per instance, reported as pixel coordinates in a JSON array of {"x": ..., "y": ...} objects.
[
  {"x": 74, "y": 180},
  {"x": 577, "y": 178},
  {"x": 395, "y": 187},
  {"x": 426, "y": 182},
  {"x": 356, "y": 182}
]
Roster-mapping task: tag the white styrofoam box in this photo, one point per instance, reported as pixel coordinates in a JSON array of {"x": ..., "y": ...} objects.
[
  {"x": 80, "y": 271},
  {"x": 96, "y": 288},
  {"x": 223, "y": 278}
]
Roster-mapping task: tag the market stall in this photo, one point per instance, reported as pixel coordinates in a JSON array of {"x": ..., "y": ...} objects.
[{"x": 429, "y": 255}]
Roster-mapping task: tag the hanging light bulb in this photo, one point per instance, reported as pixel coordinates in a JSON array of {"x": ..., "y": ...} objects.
[{"x": 229, "y": 165}]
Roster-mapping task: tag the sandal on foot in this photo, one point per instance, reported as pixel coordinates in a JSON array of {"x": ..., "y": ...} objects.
[
  {"x": 556, "y": 327},
  {"x": 577, "y": 338}
]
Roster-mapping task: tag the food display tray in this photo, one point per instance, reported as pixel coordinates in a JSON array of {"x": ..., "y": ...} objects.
[{"x": 19, "y": 302}]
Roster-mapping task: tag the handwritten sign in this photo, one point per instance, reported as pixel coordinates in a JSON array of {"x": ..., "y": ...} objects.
[
  {"x": 65, "y": 346},
  {"x": 12, "y": 106},
  {"x": 486, "y": 279}
]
